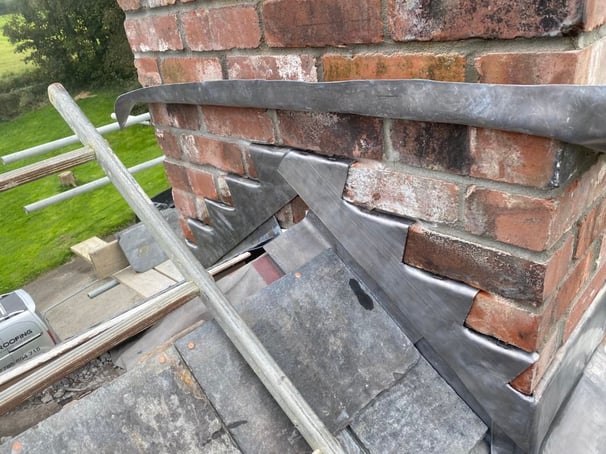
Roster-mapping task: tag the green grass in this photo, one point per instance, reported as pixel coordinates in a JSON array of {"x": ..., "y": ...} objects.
[
  {"x": 11, "y": 63},
  {"x": 34, "y": 243}
]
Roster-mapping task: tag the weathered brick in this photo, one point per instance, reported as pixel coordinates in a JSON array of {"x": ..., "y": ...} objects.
[
  {"x": 505, "y": 320},
  {"x": 444, "y": 67},
  {"x": 590, "y": 227},
  {"x": 202, "y": 183},
  {"x": 332, "y": 134},
  {"x": 158, "y": 3},
  {"x": 292, "y": 213},
  {"x": 169, "y": 144},
  {"x": 190, "y": 69},
  {"x": 514, "y": 158},
  {"x": 581, "y": 193},
  {"x": 185, "y": 202},
  {"x": 558, "y": 265},
  {"x": 177, "y": 175},
  {"x": 181, "y": 116},
  {"x": 274, "y": 67},
  {"x": 592, "y": 66},
  {"x": 147, "y": 71},
  {"x": 529, "y": 68},
  {"x": 153, "y": 33},
  {"x": 223, "y": 190},
  {"x": 435, "y": 146},
  {"x": 499, "y": 272},
  {"x": 572, "y": 284},
  {"x": 217, "y": 153},
  {"x": 595, "y": 14},
  {"x": 249, "y": 124},
  {"x": 222, "y": 28},
  {"x": 587, "y": 296},
  {"x": 378, "y": 186},
  {"x": 520, "y": 220},
  {"x": 462, "y": 19},
  {"x": 129, "y": 5},
  {"x": 529, "y": 379},
  {"x": 187, "y": 233},
  {"x": 317, "y": 23}
]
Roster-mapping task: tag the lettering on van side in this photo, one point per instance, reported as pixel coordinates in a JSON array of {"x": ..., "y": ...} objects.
[{"x": 14, "y": 340}]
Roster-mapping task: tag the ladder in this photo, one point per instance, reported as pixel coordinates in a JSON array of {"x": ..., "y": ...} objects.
[{"x": 277, "y": 383}]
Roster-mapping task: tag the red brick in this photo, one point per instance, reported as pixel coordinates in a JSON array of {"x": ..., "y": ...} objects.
[
  {"x": 505, "y": 320},
  {"x": 148, "y": 72},
  {"x": 595, "y": 14},
  {"x": 590, "y": 227},
  {"x": 250, "y": 124},
  {"x": 462, "y": 19},
  {"x": 376, "y": 186},
  {"x": 529, "y": 68},
  {"x": 222, "y": 28},
  {"x": 558, "y": 265},
  {"x": 187, "y": 233},
  {"x": 223, "y": 190},
  {"x": 580, "y": 194},
  {"x": 153, "y": 33},
  {"x": 158, "y": 3},
  {"x": 202, "y": 183},
  {"x": 169, "y": 144},
  {"x": 513, "y": 158},
  {"x": 129, "y": 5},
  {"x": 217, "y": 153},
  {"x": 177, "y": 175},
  {"x": 274, "y": 67},
  {"x": 529, "y": 379},
  {"x": 292, "y": 213},
  {"x": 445, "y": 67},
  {"x": 317, "y": 23},
  {"x": 435, "y": 146},
  {"x": 181, "y": 116},
  {"x": 185, "y": 202},
  {"x": 592, "y": 66},
  {"x": 587, "y": 296},
  {"x": 499, "y": 272},
  {"x": 190, "y": 69},
  {"x": 573, "y": 283},
  {"x": 332, "y": 134},
  {"x": 523, "y": 221}
]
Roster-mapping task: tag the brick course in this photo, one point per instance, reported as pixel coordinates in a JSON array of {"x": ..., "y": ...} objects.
[
  {"x": 222, "y": 28},
  {"x": 317, "y": 23},
  {"x": 461, "y": 19}
]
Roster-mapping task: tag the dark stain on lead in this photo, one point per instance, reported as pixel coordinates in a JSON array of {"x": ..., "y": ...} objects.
[{"x": 363, "y": 298}]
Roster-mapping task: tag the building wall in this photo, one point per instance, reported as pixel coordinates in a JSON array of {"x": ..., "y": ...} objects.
[{"x": 521, "y": 218}]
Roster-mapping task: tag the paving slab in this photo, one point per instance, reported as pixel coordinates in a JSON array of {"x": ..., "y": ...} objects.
[
  {"x": 337, "y": 345},
  {"x": 155, "y": 408}
]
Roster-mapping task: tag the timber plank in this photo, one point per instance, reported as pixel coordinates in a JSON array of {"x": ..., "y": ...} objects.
[
  {"x": 146, "y": 284},
  {"x": 84, "y": 248},
  {"x": 27, "y": 174}
]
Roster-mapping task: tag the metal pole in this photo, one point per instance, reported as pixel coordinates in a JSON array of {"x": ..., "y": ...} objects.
[
  {"x": 50, "y": 146},
  {"x": 281, "y": 388},
  {"x": 88, "y": 187}
]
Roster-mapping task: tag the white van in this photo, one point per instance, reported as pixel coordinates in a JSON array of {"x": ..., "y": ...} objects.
[{"x": 23, "y": 332}]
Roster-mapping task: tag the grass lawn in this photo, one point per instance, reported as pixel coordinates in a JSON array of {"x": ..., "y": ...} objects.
[
  {"x": 34, "y": 243},
  {"x": 10, "y": 61}
]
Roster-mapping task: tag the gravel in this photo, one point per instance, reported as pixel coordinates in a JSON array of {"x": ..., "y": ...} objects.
[{"x": 73, "y": 387}]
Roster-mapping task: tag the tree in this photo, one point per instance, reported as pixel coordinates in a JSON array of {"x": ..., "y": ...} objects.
[
  {"x": 8, "y": 6},
  {"x": 77, "y": 42}
]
